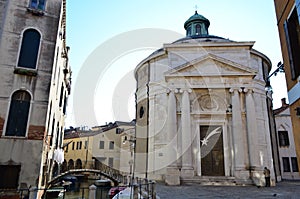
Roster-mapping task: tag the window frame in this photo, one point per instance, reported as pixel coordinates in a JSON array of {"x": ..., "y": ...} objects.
[
  {"x": 294, "y": 162},
  {"x": 111, "y": 145},
  {"x": 283, "y": 138},
  {"x": 286, "y": 164},
  {"x": 9, "y": 112},
  {"x": 101, "y": 144},
  {"x": 37, "y": 2},
  {"x": 291, "y": 43},
  {"x": 21, "y": 49}
]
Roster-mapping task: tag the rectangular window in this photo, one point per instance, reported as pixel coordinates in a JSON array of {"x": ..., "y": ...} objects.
[
  {"x": 79, "y": 145},
  {"x": 292, "y": 33},
  {"x": 101, "y": 145},
  {"x": 294, "y": 164},
  {"x": 38, "y": 4},
  {"x": 9, "y": 176},
  {"x": 283, "y": 138},
  {"x": 111, "y": 145},
  {"x": 73, "y": 145},
  {"x": 286, "y": 164},
  {"x": 110, "y": 162},
  {"x": 66, "y": 149}
]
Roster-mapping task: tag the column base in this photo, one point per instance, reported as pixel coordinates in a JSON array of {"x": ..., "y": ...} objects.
[
  {"x": 242, "y": 176},
  {"x": 258, "y": 178},
  {"x": 187, "y": 172},
  {"x": 172, "y": 176}
]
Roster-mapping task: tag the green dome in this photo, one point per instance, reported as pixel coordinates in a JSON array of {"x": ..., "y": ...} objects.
[{"x": 199, "y": 21}]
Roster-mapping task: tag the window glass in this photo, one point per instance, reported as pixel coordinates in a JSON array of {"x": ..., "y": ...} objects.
[
  {"x": 29, "y": 49},
  {"x": 292, "y": 33},
  {"x": 198, "y": 29},
  {"x": 286, "y": 164},
  {"x": 18, "y": 114},
  {"x": 111, "y": 145},
  {"x": 188, "y": 31},
  {"x": 38, "y": 4},
  {"x": 101, "y": 145},
  {"x": 294, "y": 164},
  {"x": 283, "y": 138}
]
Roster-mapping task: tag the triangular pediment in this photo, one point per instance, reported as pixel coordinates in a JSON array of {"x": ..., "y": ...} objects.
[{"x": 211, "y": 65}]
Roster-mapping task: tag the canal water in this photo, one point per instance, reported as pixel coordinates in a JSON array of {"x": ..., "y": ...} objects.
[{"x": 80, "y": 188}]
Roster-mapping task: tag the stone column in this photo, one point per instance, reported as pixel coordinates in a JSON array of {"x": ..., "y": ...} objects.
[
  {"x": 238, "y": 136},
  {"x": 173, "y": 174},
  {"x": 252, "y": 137},
  {"x": 172, "y": 129},
  {"x": 187, "y": 169}
]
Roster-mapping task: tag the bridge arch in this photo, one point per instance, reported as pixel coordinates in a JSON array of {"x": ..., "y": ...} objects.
[{"x": 115, "y": 179}]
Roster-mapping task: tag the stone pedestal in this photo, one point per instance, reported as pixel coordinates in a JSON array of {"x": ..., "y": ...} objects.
[
  {"x": 257, "y": 177},
  {"x": 172, "y": 176}
]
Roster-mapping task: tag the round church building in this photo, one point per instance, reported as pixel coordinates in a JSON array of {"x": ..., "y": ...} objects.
[{"x": 202, "y": 112}]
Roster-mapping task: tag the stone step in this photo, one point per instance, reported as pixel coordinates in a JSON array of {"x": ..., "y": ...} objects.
[{"x": 210, "y": 180}]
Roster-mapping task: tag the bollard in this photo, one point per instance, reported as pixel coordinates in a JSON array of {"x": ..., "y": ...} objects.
[
  {"x": 33, "y": 193},
  {"x": 92, "y": 192}
]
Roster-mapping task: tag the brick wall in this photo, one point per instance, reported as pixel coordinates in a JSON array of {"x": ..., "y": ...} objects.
[{"x": 36, "y": 132}]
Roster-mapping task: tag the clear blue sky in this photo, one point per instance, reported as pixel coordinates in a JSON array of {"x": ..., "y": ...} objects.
[{"x": 92, "y": 23}]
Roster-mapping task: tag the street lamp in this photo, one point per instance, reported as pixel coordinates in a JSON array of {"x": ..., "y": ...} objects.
[
  {"x": 132, "y": 141},
  {"x": 279, "y": 69}
]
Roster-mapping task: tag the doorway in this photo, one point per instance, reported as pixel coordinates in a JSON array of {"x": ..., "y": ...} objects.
[{"x": 212, "y": 152}]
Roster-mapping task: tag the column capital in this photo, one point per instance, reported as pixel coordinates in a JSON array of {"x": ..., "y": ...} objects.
[
  {"x": 182, "y": 90},
  {"x": 248, "y": 90},
  {"x": 232, "y": 90},
  {"x": 169, "y": 90}
]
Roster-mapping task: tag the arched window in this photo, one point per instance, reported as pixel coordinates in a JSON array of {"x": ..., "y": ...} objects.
[
  {"x": 189, "y": 31},
  {"x": 198, "y": 29},
  {"x": 78, "y": 164},
  {"x": 18, "y": 114},
  {"x": 29, "y": 49},
  {"x": 71, "y": 164}
]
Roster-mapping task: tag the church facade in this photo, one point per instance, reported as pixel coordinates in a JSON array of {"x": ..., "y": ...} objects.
[{"x": 202, "y": 110}]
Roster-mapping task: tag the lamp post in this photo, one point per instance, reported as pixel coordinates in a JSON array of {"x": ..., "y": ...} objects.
[
  {"x": 132, "y": 141},
  {"x": 272, "y": 124}
]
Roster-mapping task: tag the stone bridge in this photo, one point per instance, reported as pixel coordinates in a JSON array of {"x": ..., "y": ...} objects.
[{"x": 112, "y": 174}]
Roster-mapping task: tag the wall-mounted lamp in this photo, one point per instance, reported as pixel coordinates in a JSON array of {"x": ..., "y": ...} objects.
[{"x": 279, "y": 69}]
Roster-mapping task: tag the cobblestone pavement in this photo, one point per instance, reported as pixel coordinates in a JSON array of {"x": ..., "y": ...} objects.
[{"x": 285, "y": 189}]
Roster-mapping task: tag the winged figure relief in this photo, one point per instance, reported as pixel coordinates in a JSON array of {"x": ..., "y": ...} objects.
[{"x": 209, "y": 141}]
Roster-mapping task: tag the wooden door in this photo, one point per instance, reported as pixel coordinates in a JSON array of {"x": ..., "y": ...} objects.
[{"x": 212, "y": 153}]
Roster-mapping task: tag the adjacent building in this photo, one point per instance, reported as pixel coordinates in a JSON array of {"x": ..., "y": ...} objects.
[
  {"x": 105, "y": 144},
  {"x": 202, "y": 111},
  {"x": 288, "y": 19},
  {"x": 35, "y": 84},
  {"x": 285, "y": 137}
]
